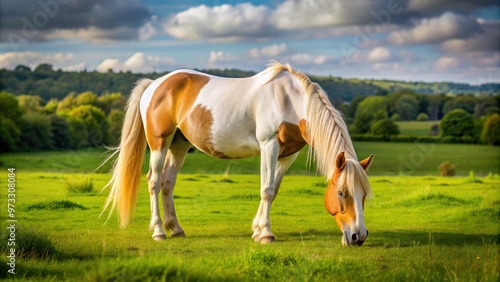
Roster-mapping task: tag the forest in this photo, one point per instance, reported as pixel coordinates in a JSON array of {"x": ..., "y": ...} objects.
[{"x": 47, "y": 109}]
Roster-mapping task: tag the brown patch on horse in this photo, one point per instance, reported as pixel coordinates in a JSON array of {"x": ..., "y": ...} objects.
[
  {"x": 197, "y": 128},
  {"x": 290, "y": 139},
  {"x": 303, "y": 131},
  {"x": 169, "y": 105}
]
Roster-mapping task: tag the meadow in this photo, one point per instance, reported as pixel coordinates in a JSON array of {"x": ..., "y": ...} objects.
[
  {"x": 391, "y": 159},
  {"x": 422, "y": 226}
]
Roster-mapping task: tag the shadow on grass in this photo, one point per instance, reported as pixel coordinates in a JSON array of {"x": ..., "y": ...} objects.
[
  {"x": 412, "y": 238},
  {"x": 390, "y": 239}
]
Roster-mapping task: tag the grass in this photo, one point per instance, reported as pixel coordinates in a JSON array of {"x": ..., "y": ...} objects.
[
  {"x": 416, "y": 128},
  {"x": 391, "y": 159},
  {"x": 421, "y": 228},
  {"x": 80, "y": 185}
]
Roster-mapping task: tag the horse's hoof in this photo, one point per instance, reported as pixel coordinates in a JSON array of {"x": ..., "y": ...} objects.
[
  {"x": 159, "y": 238},
  {"x": 266, "y": 240},
  {"x": 256, "y": 236},
  {"x": 180, "y": 234}
]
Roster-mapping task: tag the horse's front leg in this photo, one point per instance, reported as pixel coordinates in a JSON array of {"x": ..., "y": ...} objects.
[{"x": 262, "y": 223}]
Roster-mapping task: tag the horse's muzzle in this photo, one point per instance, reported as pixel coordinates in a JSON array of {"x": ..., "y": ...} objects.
[{"x": 355, "y": 239}]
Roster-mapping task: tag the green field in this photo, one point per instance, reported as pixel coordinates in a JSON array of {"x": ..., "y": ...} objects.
[
  {"x": 391, "y": 159},
  {"x": 421, "y": 228},
  {"x": 416, "y": 128}
]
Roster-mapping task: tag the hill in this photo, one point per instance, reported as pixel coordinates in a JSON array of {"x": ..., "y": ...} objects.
[{"x": 49, "y": 83}]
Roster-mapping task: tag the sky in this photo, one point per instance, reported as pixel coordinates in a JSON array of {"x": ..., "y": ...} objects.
[{"x": 411, "y": 40}]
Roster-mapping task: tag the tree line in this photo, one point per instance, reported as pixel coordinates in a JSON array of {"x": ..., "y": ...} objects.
[
  {"x": 468, "y": 118},
  {"x": 46, "y": 109}
]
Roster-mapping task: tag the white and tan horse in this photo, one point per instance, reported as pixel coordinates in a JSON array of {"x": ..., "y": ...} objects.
[{"x": 272, "y": 114}]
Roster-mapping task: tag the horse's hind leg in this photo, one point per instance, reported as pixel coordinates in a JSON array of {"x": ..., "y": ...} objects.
[
  {"x": 175, "y": 159},
  {"x": 156, "y": 163}
]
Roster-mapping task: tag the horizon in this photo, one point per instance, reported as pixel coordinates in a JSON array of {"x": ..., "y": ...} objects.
[
  {"x": 396, "y": 40},
  {"x": 254, "y": 72}
]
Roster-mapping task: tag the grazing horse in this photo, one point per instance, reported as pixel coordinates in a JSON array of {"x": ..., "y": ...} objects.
[{"x": 274, "y": 114}]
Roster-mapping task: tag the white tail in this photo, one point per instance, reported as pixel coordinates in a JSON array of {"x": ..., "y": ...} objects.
[{"x": 127, "y": 169}]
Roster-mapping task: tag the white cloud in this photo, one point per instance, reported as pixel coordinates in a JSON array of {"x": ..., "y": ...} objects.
[
  {"x": 435, "y": 30},
  {"x": 379, "y": 54},
  {"x": 221, "y": 57},
  {"x": 323, "y": 13},
  {"x": 10, "y": 60},
  {"x": 269, "y": 52},
  {"x": 108, "y": 64},
  {"x": 307, "y": 59},
  {"x": 138, "y": 62},
  {"x": 446, "y": 62},
  {"x": 241, "y": 21}
]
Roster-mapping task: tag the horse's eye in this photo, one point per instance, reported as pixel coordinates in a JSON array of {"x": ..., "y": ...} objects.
[{"x": 340, "y": 193}]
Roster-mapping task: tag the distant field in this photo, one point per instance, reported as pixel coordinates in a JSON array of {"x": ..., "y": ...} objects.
[
  {"x": 390, "y": 159},
  {"x": 416, "y": 128},
  {"x": 421, "y": 229}
]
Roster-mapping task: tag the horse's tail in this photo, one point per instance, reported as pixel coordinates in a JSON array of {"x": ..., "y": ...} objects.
[{"x": 127, "y": 169}]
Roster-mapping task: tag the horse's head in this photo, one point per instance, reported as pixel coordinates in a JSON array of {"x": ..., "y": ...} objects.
[{"x": 345, "y": 198}]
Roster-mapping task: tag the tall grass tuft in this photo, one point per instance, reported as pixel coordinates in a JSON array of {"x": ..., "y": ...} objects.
[
  {"x": 225, "y": 177},
  {"x": 83, "y": 185},
  {"x": 472, "y": 178}
]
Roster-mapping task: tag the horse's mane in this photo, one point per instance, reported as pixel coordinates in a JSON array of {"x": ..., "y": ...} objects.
[
  {"x": 328, "y": 132},
  {"x": 325, "y": 124}
]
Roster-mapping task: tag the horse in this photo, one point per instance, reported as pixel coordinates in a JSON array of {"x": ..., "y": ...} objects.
[{"x": 274, "y": 114}]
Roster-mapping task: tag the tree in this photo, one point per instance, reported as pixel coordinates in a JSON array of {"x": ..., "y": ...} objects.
[
  {"x": 36, "y": 132},
  {"x": 9, "y": 135},
  {"x": 95, "y": 122},
  {"x": 457, "y": 123},
  {"x": 385, "y": 127},
  {"x": 60, "y": 132},
  {"x": 30, "y": 103},
  {"x": 85, "y": 98},
  {"x": 78, "y": 133},
  {"x": 422, "y": 117},
  {"x": 353, "y": 106},
  {"x": 407, "y": 107},
  {"x": 369, "y": 110},
  {"x": 115, "y": 119},
  {"x": 66, "y": 104},
  {"x": 111, "y": 101},
  {"x": 465, "y": 102},
  {"x": 491, "y": 130},
  {"x": 51, "y": 106},
  {"x": 10, "y": 116},
  {"x": 10, "y": 107}
]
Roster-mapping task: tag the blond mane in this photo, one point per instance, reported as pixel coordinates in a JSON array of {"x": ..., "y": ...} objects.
[{"x": 325, "y": 124}]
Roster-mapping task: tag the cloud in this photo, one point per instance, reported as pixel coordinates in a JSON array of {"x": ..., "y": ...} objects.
[
  {"x": 138, "y": 63},
  {"x": 325, "y": 13},
  {"x": 435, "y": 30},
  {"x": 379, "y": 54},
  {"x": 447, "y": 62},
  {"x": 242, "y": 21},
  {"x": 488, "y": 40},
  {"x": 10, "y": 60},
  {"x": 269, "y": 52},
  {"x": 40, "y": 20}
]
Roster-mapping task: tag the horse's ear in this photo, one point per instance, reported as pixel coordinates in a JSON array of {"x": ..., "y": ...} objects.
[
  {"x": 340, "y": 161},
  {"x": 366, "y": 162}
]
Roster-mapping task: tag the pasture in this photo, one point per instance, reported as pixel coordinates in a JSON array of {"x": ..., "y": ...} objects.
[
  {"x": 391, "y": 159},
  {"x": 416, "y": 128},
  {"x": 421, "y": 228}
]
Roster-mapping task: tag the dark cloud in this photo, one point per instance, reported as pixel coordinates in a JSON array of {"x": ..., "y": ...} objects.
[{"x": 46, "y": 16}]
